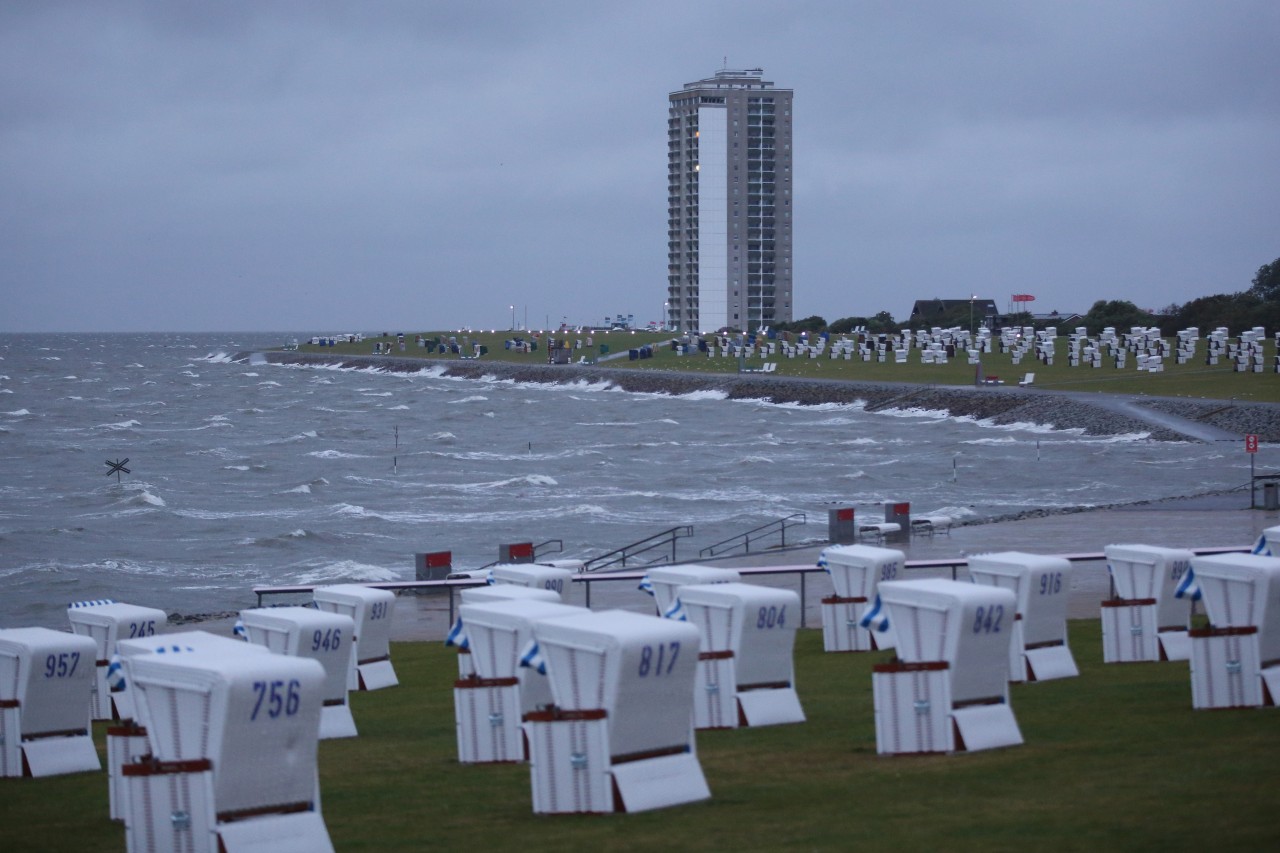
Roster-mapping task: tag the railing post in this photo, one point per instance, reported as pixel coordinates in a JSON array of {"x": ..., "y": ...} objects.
[
  {"x": 803, "y": 602},
  {"x": 450, "y": 608}
]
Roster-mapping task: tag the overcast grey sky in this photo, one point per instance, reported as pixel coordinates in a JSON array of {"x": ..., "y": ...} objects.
[{"x": 329, "y": 167}]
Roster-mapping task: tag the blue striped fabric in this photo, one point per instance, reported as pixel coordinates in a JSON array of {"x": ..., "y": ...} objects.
[
  {"x": 676, "y": 612},
  {"x": 1187, "y": 587},
  {"x": 646, "y": 585},
  {"x": 531, "y": 657},
  {"x": 458, "y": 635},
  {"x": 115, "y": 674},
  {"x": 875, "y": 619},
  {"x": 94, "y": 603}
]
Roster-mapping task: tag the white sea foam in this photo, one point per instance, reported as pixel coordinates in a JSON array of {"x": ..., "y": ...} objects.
[
  {"x": 335, "y": 454},
  {"x": 234, "y": 515},
  {"x": 820, "y": 407},
  {"x": 707, "y": 394},
  {"x": 1020, "y": 426},
  {"x": 434, "y": 371},
  {"x": 911, "y": 412},
  {"x": 956, "y": 513},
  {"x": 138, "y": 496},
  {"x": 474, "y": 398},
  {"x": 346, "y": 570},
  {"x": 21, "y": 413},
  {"x": 121, "y": 425},
  {"x": 304, "y": 489},
  {"x": 400, "y": 408},
  {"x": 217, "y": 358},
  {"x": 668, "y": 421},
  {"x": 512, "y": 482}
]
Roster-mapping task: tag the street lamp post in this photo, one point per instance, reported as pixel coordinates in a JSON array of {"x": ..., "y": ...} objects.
[
  {"x": 977, "y": 373},
  {"x": 513, "y": 318}
]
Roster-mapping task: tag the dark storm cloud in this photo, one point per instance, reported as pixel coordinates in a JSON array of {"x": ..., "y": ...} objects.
[{"x": 325, "y": 166}]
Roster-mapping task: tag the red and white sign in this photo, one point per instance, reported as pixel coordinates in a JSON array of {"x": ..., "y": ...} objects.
[
  {"x": 1023, "y": 297},
  {"x": 1250, "y": 444}
]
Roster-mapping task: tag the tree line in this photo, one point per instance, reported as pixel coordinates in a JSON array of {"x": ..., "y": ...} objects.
[{"x": 1259, "y": 305}]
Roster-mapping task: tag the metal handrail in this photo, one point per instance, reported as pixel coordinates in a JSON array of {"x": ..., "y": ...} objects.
[
  {"x": 559, "y": 543},
  {"x": 777, "y": 526},
  {"x": 626, "y": 552},
  {"x": 952, "y": 563}
]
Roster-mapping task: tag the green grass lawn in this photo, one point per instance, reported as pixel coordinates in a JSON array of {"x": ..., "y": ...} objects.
[
  {"x": 1194, "y": 379},
  {"x": 1114, "y": 759}
]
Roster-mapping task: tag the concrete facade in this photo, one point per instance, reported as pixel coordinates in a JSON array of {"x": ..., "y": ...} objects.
[{"x": 729, "y": 203}]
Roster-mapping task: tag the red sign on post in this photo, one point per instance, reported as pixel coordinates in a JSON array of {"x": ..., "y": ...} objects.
[{"x": 1250, "y": 444}]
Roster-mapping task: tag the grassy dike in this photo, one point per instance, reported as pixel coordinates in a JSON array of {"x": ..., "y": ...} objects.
[
  {"x": 1114, "y": 759},
  {"x": 1193, "y": 380}
]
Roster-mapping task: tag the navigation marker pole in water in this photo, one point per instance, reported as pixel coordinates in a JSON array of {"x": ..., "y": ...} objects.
[
  {"x": 118, "y": 466},
  {"x": 395, "y": 460}
]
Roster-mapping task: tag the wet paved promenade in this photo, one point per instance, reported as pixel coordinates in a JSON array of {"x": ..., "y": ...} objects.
[{"x": 1216, "y": 521}]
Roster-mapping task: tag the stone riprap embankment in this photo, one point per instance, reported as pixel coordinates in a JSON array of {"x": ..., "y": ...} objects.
[
  {"x": 1093, "y": 414},
  {"x": 1260, "y": 419}
]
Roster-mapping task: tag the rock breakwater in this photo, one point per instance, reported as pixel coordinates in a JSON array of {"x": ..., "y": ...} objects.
[{"x": 998, "y": 404}]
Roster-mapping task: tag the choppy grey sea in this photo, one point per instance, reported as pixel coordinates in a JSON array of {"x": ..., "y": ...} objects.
[{"x": 259, "y": 474}]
